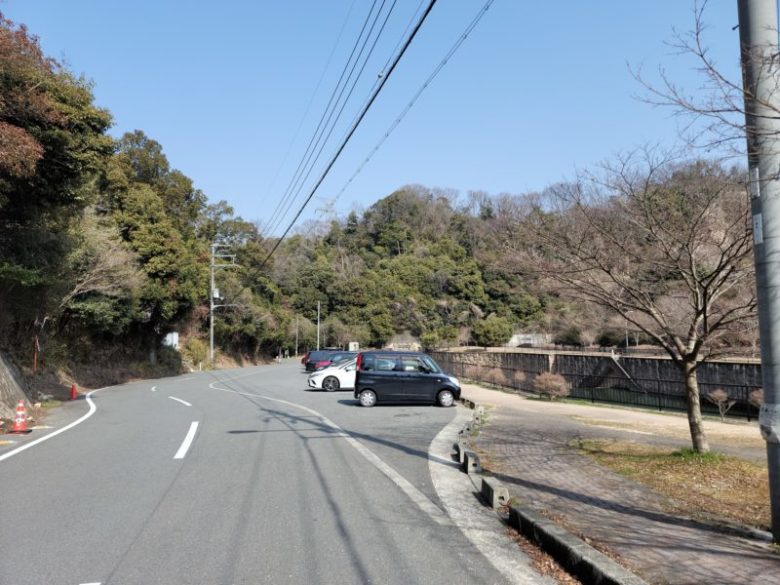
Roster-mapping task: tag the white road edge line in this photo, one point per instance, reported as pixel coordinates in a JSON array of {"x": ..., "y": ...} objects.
[
  {"x": 96, "y": 583},
  {"x": 180, "y": 400},
  {"x": 92, "y": 409},
  {"x": 419, "y": 498},
  {"x": 187, "y": 441}
]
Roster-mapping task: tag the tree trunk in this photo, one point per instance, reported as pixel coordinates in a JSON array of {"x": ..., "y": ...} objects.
[{"x": 693, "y": 401}]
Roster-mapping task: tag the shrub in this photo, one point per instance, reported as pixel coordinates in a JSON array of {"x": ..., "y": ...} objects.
[
  {"x": 430, "y": 340},
  {"x": 571, "y": 336},
  {"x": 611, "y": 338},
  {"x": 509, "y": 378},
  {"x": 195, "y": 351},
  {"x": 756, "y": 397},
  {"x": 551, "y": 385},
  {"x": 494, "y": 331},
  {"x": 721, "y": 399},
  {"x": 472, "y": 373}
]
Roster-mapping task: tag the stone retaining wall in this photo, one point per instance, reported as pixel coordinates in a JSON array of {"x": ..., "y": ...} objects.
[{"x": 10, "y": 388}]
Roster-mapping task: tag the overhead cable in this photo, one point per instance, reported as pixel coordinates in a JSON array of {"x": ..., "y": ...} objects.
[
  {"x": 472, "y": 25},
  {"x": 357, "y": 122},
  {"x": 324, "y": 138},
  {"x": 272, "y": 184},
  {"x": 327, "y": 113}
]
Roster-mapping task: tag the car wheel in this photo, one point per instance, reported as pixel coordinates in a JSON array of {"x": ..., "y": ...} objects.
[
  {"x": 331, "y": 383},
  {"x": 445, "y": 398},
  {"x": 367, "y": 398}
]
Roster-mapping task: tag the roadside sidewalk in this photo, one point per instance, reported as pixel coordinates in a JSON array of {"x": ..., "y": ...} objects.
[{"x": 527, "y": 443}]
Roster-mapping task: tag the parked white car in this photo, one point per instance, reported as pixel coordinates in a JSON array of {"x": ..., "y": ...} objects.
[{"x": 334, "y": 378}]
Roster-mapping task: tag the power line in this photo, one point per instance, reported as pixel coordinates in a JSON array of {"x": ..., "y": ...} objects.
[
  {"x": 368, "y": 105},
  {"x": 472, "y": 25},
  {"x": 275, "y": 219},
  {"x": 323, "y": 140},
  {"x": 311, "y": 100},
  {"x": 395, "y": 49}
]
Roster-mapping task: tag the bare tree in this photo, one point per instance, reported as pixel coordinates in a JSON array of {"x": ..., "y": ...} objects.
[
  {"x": 101, "y": 263},
  {"x": 665, "y": 245},
  {"x": 714, "y": 110}
]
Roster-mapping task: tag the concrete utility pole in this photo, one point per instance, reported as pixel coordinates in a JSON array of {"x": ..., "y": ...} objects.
[
  {"x": 296, "y": 336},
  {"x": 214, "y": 293},
  {"x": 761, "y": 80}
]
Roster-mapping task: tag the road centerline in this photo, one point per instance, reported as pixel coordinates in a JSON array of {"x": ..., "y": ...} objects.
[{"x": 187, "y": 441}]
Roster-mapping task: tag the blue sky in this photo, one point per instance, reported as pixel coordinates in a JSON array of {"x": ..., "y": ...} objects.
[{"x": 538, "y": 90}]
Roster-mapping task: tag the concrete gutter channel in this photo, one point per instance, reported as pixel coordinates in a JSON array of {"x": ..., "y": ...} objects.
[{"x": 577, "y": 557}]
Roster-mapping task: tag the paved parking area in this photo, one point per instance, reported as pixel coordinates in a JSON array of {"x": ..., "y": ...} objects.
[{"x": 526, "y": 444}]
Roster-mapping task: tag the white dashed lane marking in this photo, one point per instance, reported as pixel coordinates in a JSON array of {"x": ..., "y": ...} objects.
[{"x": 180, "y": 400}]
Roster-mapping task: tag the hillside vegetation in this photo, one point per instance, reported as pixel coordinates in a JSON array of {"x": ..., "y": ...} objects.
[{"x": 104, "y": 249}]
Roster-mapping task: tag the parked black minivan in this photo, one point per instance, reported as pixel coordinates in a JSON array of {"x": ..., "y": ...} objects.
[{"x": 403, "y": 376}]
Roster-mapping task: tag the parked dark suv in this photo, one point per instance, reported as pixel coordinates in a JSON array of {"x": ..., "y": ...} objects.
[{"x": 401, "y": 376}]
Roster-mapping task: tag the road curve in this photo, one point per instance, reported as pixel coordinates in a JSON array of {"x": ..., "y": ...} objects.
[{"x": 231, "y": 477}]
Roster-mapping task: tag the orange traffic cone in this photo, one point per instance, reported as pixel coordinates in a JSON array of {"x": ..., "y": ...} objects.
[
  {"x": 20, "y": 420},
  {"x": 73, "y": 392}
]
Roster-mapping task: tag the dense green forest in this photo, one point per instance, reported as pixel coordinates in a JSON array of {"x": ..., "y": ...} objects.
[{"x": 104, "y": 249}]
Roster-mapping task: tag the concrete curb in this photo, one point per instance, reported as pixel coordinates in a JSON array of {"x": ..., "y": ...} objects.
[{"x": 579, "y": 558}]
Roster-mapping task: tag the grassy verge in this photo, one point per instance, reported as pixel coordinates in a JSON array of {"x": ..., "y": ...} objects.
[{"x": 702, "y": 485}]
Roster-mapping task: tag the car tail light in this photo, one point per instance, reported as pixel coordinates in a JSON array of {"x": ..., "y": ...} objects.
[{"x": 359, "y": 361}]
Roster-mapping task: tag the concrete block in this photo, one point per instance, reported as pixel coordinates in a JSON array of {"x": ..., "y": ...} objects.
[
  {"x": 471, "y": 463},
  {"x": 494, "y": 492},
  {"x": 461, "y": 447}
]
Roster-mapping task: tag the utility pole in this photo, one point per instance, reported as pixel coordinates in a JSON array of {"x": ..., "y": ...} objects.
[
  {"x": 759, "y": 47},
  {"x": 214, "y": 293},
  {"x": 296, "y": 336},
  {"x": 318, "y": 325}
]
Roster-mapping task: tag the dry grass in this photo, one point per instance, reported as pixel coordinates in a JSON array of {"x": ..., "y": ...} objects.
[
  {"x": 542, "y": 562},
  {"x": 701, "y": 485},
  {"x": 733, "y": 433}
]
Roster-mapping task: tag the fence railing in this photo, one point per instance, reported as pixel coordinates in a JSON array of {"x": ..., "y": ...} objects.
[{"x": 660, "y": 394}]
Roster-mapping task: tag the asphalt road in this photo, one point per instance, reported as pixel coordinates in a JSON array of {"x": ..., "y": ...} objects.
[{"x": 233, "y": 477}]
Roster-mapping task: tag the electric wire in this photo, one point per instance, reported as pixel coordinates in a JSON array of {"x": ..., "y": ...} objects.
[
  {"x": 472, "y": 25},
  {"x": 275, "y": 219},
  {"x": 286, "y": 156},
  {"x": 393, "y": 52},
  {"x": 325, "y": 138},
  {"x": 355, "y": 126}
]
